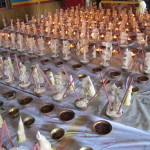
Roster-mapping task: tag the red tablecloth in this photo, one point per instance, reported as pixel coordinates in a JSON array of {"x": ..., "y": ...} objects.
[{"x": 70, "y": 3}]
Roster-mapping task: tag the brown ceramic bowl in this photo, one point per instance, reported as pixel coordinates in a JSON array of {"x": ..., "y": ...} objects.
[
  {"x": 45, "y": 61},
  {"x": 115, "y": 74},
  {"x": 12, "y": 55},
  {"x": 102, "y": 127},
  {"x": 47, "y": 108},
  {"x": 135, "y": 89},
  {"x": 22, "y": 57},
  {"x": 57, "y": 133},
  {"x": 59, "y": 64},
  {"x": 77, "y": 67},
  {"x": 142, "y": 79},
  {"x": 66, "y": 116},
  {"x": 13, "y": 112},
  {"x": 85, "y": 148},
  {"x": 1, "y": 103},
  {"x": 46, "y": 70},
  {"x": 10, "y": 95},
  {"x": 29, "y": 121},
  {"x": 97, "y": 70},
  {"x": 25, "y": 101},
  {"x": 32, "y": 59},
  {"x": 82, "y": 76},
  {"x": 4, "y": 148}
]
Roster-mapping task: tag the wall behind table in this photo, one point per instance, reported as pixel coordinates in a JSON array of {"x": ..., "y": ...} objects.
[{"x": 31, "y": 10}]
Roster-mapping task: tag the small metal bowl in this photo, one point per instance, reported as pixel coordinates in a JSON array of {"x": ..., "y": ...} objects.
[
  {"x": 82, "y": 76},
  {"x": 142, "y": 79},
  {"x": 4, "y": 148},
  {"x": 22, "y": 57},
  {"x": 26, "y": 101},
  {"x": 1, "y": 103},
  {"x": 12, "y": 55},
  {"x": 5, "y": 53},
  {"x": 59, "y": 64},
  {"x": 77, "y": 67},
  {"x": 102, "y": 127},
  {"x": 97, "y": 70},
  {"x": 29, "y": 121},
  {"x": 47, "y": 108},
  {"x": 13, "y": 112},
  {"x": 115, "y": 74},
  {"x": 57, "y": 133},
  {"x": 66, "y": 116},
  {"x": 45, "y": 61},
  {"x": 10, "y": 95},
  {"x": 46, "y": 70},
  {"x": 85, "y": 148},
  {"x": 32, "y": 59},
  {"x": 135, "y": 89}
]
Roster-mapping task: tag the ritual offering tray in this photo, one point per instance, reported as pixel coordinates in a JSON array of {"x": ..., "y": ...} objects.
[
  {"x": 85, "y": 148},
  {"x": 47, "y": 108},
  {"x": 97, "y": 70},
  {"x": 115, "y": 74},
  {"x": 26, "y": 101},
  {"x": 10, "y": 95},
  {"x": 77, "y": 67},
  {"x": 66, "y": 116},
  {"x": 29, "y": 121},
  {"x": 13, "y": 112},
  {"x": 57, "y": 133},
  {"x": 82, "y": 76},
  {"x": 102, "y": 127},
  {"x": 142, "y": 79},
  {"x": 45, "y": 61}
]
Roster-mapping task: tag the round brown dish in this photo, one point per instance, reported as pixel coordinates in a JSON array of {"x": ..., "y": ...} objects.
[
  {"x": 135, "y": 89},
  {"x": 115, "y": 74},
  {"x": 22, "y": 57},
  {"x": 97, "y": 70},
  {"x": 142, "y": 79},
  {"x": 26, "y": 101},
  {"x": 13, "y": 112},
  {"x": 57, "y": 133},
  {"x": 47, "y": 108},
  {"x": 32, "y": 59},
  {"x": 59, "y": 64},
  {"x": 102, "y": 127},
  {"x": 66, "y": 116},
  {"x": 77, "y": 67},
  {"x": 45, "y": 61},
  {"x": 85, "y": 148},
  {"x": 82, "y": 76},
  {"x": 4, "y": 148},
  {"x": 47, "y": 70},
  {"x": 9, "y": 95},
  {"x": 29, "y": 121},
  {"x": 1, "y": 103}
]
